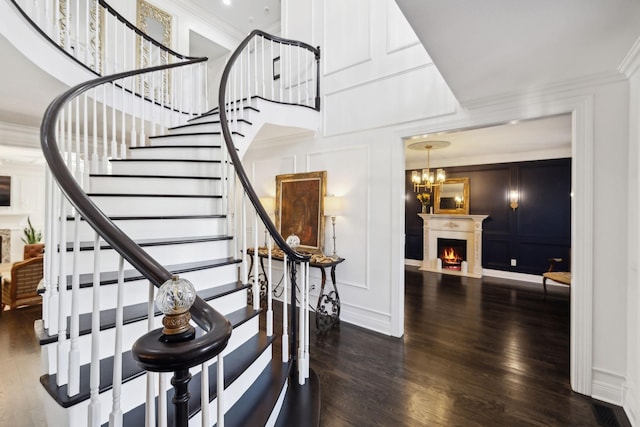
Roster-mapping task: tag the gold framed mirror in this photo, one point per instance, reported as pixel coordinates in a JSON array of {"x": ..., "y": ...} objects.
[{"x": 452, "y": 197}]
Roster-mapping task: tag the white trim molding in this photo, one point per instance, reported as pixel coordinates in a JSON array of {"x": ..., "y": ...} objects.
[{"x": 607, "y": 386}]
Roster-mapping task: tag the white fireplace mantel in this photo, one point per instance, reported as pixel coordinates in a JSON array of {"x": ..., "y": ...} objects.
[{"x": 462, "y": 227}]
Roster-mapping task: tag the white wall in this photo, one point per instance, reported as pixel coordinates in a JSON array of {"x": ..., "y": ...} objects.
[
  {"x": 27, "y": 200},
  {"x": 632, "y": 393},
  {"x": 360, "y": 151},
  {"x": 374, "y": 80}
]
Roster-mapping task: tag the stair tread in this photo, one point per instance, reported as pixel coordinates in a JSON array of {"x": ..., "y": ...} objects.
[
  {"x": 212, "y": 122},
  {"x": 235, "y": 363},
  {"x": 260, "y": 397},
  {"x": 101, "y": 175},
  {"x": 302, "y": 403},
  {"x": 215, "y": 111},
  {"x": 88, "y": 245},
  {"x": 131, "y": 314},
  {"x": 155, "y": 147},
  {"x": 184, "y": 196},
  {"x": 130, "y": 369},
  {"x": 158, "y": 217},
  {"x": 176, "y": 135},
  {"x": 166, "y": 160}
]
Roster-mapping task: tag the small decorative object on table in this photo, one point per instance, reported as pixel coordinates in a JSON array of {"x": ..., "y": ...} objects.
[{"x": 424, "y": 199}]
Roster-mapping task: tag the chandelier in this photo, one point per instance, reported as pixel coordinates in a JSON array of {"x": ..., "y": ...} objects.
[{"x": 425, "y": 179}]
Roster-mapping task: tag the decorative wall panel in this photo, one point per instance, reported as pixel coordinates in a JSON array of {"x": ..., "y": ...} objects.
[{"x": 347, "y": 34}]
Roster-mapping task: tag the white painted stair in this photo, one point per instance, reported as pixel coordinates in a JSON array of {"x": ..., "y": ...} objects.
[{"x": 167, "y": 197}]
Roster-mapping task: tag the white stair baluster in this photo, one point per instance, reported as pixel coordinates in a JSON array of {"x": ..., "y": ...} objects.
[
  {"x": 220, "y": 390},
  {"x": 204, "y": 394},
  {"x": 269, "y": 288},
  {"x": 115, "y": 416},
  {"x": 162, "y": 399},
  {"x": 285, "y": 319},
  {"x": 95, "y": 161},
  {"x": 307, "y": 326},
  {"x": 150, "y": 406},
  {"x": 243, "y": 230},
  {"x": 74, "y": 330},
  {"x": 62, "y": 357},
  {"x": 302, "y": 292},
  {"x": 94, "y": 379},
  {"x": 123, "y": 124},
  {"x": 256, "y": 283}
]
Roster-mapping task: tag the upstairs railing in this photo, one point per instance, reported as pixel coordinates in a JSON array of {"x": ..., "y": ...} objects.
[
  {"x": 284, "y": 71},
  {"x": 96, "y": 35}
]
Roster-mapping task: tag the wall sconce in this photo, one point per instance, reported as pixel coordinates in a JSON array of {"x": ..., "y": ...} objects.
[
  {"x": 514, "y": 196},
  {"x": 333, "y": 208},
  {"x": 269, "y": 205}
]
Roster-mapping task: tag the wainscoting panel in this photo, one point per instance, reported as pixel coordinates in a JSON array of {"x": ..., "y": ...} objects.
[
  {"x": 353, "y": 24},
  {"x": 400, "y": 35},
  {"x": 538, "y": 229}
]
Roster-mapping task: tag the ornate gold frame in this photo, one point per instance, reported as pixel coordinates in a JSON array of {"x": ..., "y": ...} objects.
[
  {"x": 147, "y": 17},
  {"x": 456, "y": 210},
  {"x": 300, "y": 208}
]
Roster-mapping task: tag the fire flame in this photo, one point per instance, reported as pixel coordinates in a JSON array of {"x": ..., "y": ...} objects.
[{"x": 450, "y": 255}]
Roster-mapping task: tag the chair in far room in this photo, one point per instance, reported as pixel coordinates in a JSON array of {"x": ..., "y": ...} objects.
[
  {"x": 555, "y": 275},
  {"x": 21, "y": 288}
]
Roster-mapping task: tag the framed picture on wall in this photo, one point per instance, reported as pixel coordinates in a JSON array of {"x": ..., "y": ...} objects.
[{"x": 300, "y": 208}]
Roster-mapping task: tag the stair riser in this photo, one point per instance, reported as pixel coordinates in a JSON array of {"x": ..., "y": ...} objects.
[
  {"x": 188, "y": 153},
  {"x": 166, "y": 168},
  {"x": 157, "y": 228},
  {"x": 134, "y": 391},
  {"x": 165, "y": 254},
  {"x": 198, "y": 127},
  {"x": 151, "y": 206},
  {"x": 246, "y": 115},
  {"x": 235, "y": 390},
  {"x": 127, "y": 185},
  {"x": 130, "y": 333},
  {"x": 137, "y": 291},
  {"x": 202, "y": 139}
]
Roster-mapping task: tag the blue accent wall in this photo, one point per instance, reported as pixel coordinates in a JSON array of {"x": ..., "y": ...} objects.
[{"x": 539, "y": 229}]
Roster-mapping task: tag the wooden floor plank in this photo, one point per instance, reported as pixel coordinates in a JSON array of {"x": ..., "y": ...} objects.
[{"x": 476, "y": 352}]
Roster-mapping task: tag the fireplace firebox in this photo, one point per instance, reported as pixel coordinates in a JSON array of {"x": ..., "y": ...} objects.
[{"x": 452, "y": 252}]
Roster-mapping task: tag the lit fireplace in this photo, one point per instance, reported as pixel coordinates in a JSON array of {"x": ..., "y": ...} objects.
[{"x": 452, "y": 252}]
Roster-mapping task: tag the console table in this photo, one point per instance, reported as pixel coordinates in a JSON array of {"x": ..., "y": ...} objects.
[{"x": 328, "y": 306}]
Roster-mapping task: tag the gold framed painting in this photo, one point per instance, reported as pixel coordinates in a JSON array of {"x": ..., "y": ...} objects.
[{"x": 300, "y": 208}]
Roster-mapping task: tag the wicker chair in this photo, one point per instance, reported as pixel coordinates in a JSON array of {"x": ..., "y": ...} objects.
[
  {"x": 21, "y": 288},
  {"x": 563, "y": 277}
]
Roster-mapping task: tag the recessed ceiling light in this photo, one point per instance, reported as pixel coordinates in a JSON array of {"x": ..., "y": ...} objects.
[{"x": 226, "y": 2}]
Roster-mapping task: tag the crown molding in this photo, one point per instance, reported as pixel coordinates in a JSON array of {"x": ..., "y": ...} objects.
[
  {"x": 631, "y": 61},
  {"x": 19, "y": 135},
  {"x": 597, "y": 79}
]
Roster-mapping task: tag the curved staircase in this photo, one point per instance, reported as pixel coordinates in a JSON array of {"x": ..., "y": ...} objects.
[{"x": 141, "y": 187}]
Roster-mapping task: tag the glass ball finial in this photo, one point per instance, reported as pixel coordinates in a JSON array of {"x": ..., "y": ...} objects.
[{"x": 175, "y": 296}]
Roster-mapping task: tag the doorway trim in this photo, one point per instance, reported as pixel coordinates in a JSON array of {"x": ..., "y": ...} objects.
[{"x": 582, "y": 145}]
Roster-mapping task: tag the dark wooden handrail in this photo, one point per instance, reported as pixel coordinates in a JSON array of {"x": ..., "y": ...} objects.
[
  {"x": 119, "y": 17},
  {"x": 157, "y": 356},
  {"x": 235, "y": 159}
]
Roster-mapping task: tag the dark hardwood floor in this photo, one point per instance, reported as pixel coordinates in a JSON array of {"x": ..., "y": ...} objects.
[
  {"x": 20, "y": 403},
  {"x": 476, "y": 352}
]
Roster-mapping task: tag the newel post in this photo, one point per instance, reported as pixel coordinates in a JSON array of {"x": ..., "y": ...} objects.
[{"x": 175, "y": 298}]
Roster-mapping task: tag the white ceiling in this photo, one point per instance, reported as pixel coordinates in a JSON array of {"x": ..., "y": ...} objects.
[
  {"x": 544, "y": 138},
  {"x": 494, "y": 47},
  {"x": 244, "y": 15},
  {"x": 483, "y": 49}
]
